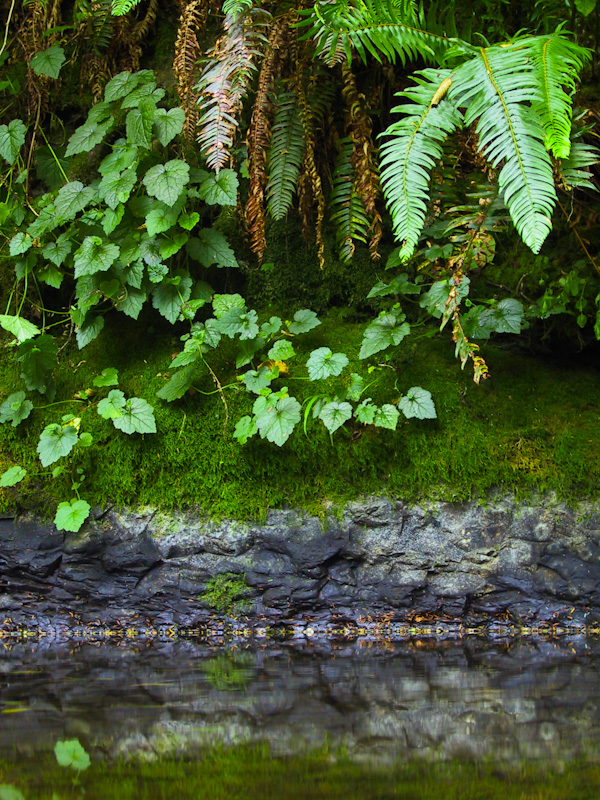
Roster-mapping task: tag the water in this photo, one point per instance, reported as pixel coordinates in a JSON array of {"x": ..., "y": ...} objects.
[{"x": 506, "y": 712}]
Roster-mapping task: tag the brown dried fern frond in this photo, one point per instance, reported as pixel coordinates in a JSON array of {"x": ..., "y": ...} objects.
[
  {"x": 310, "y": 178},
  {"x": 187, "y": 52},
  {"x": 225, "y": 80},
  {"x": 259, "y": 136},
  {"x": 359, "y": 127}
]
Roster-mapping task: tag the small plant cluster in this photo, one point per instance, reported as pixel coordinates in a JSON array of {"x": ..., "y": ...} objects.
[
  {"x": 226, "y": 593},
  {"x": 70, "y": 754}
]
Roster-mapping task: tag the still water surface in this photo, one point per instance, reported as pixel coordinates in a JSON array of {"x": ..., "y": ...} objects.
[{"x": 509, "y": 719}]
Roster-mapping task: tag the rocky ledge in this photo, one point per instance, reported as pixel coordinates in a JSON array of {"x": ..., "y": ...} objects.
[{"x": 532, "y": 563}]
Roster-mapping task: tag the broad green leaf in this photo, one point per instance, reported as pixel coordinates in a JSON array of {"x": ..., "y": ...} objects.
[
  {"x": 168, "y": 124},
  {"x": 55, "y": 442},
  {"x": 48, "y": 220},
  {"x": 112, "y": 218},
  {"x": 506, "y": 317},
  {"x": 585, "y": 7},
  {"x": 100, "y": 112},
  {"x": 282, "y": 350},
  {"x": 51, "y": 275},
  {"x": 365, "y": 412},
  {"x": 322, "y": 363},
  {"x": 137, "y": 416},
  {"x": 132, "y": 302},
  {"x": 72, "y": 198},
  {"x": 304, "y": 321},
  {"x": 190, "y": 354},
  {"x": 417, "y": 403},
  {"x": 146, "y": 90},
  {"x": 123, "y": 156},
  {"x": 70, "y": 517},
  {"x": 115, "y": 189},
  {"x": 334, "y": 414},
  {"x": 48, "y": 62},
  {"x": 94, "y": 255},
  {"x": 11, "y": 477},
  {"x": 111, "y": 407},
  {"x": 238, "y": 320},
  {"x": 125, "y": 82},
  {"x": 20, "y": 243},
  {"x": 10, "y": 792},
  {"x": 276, "y": 418},
  {"x": 179, "y": 383},
  {"x": 436, "y": 299},
  {"x": 171, "y": 294},
  {"x": 15, "y": 409},
  {"x": 19, "y": 327},
  {"x": 38, "y": 358},
  {"x": 245, "y": 429},
  {"x": 171, "y": 245},
  {"x": 89, "y": 330},
  {"x": 387, "y": 417},
  {"x": 219, "y": 189},
  {"x": 257, "y": 380},
  {"x": 160, "y": 219},
  {"x": 138, "y": 123},
  {"x": 388, "y": 329},
  {"x": 167, "y": 181},
  {"x": 150, "y": 252},
  {"x": 223, "y": 302},
  {"x": 156, "y": 272},
  {"x": 12, "y": 138},
  {"x": 88, "y": 136},
  {"x": 356, "y": 387},
  {"x": 188, "y": 221},
  {"x": 271, "y": 327},
  {"x": 211, "y": 247},
  {"x": 108, "y": 377},
  {"x": 57, "y": 251},
  {"x": 85, "y": 439}
]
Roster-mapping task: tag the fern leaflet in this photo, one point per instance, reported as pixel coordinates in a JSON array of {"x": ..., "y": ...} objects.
[
  {"x": 347, "y": 211},
  {"x": 286, "y": 154}
]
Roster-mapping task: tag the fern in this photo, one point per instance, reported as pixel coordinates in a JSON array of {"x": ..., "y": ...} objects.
[
  {"x": 574, "y": 172},
  {"x": 120, "y": 7},
  {"x": 408, "y": 157},
  {"x": 497, "y": 87},
  {"x": 557, "y": 63},
  {"x": 286, "y": 155},
  {"x": 347, "y": 211}
]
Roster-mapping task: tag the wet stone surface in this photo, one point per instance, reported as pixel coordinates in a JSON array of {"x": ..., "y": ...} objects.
[{"x": 531, "y": 563}]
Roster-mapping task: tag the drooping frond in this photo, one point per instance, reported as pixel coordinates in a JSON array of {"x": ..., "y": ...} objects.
[
  {"x": 347, "y": 211},
  {"x": 414, "y": 146},
  {"x": 225, "y": 80},
  {"x": 120, "y": 7},
  {"x": 377, "y": 27},
  {"x": 259, "y": 136},
  {"x": 359, "y": 126},
  {"x": 574, "y": 170},
  {"x": 497, "y": 88},
  {"x": 557, "y": 62},
  {"x": 187, "y": 52},
  {"x": 285, "y": 155}
]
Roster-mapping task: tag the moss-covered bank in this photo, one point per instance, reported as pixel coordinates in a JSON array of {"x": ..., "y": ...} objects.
[{"x": 533, "y": 426}]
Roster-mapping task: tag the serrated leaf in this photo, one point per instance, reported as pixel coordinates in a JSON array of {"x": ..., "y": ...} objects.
[
  {"x": 169, "y": 296},
  {"x": 85, "y": 439},
  {"x": 19, "y": 327},
  {"x": 115, "y": 189},
  {"x": 12, "y": 476},
  {"x": 282, "y": 350},
  {"x": 15, "y": 409},
  {"x": 248, "y": 348},
  {"x": 188, "y": 221},
  {"x": 12, "y": 138},
  {"x": 122, "y": 157},
  {"x": 506, "y": 317},
  {"x": 57, "y": 251},
  {"x": 146, "y": 90},
  {"x": 356, "y": 387},
  {"x": 223, "y": 302},
  {"x": 245, "y": 429},
  {"x": 56, "y": 441},
  {"x": 94, "y": 255},
  {"x": 271, "y": 327},
  {"x": 48, "y": 62},
  {"x": 70, "y": 517},
  {"x": 133, "y": 302},
  {"x": 71, "y": 199},
  {"x": 417, "y": 403},
  {"x": 37, "y": 357},
  {"x": 160, "y": 219},
  {"x": 112, "y": 406},
  {"x": 156, "y": 272},
  {"x": 322, "y": 363},
  {"x": 238, "y": 320},
  {"x": 20, "y": 243},
  {"x": 388, "y": 329},
  {"x": 211, "y": 247},
  {"x": 112, "y": 218},
  {"x": 89, "y": 330},
  {"x": 178, "y": 384},
  {"x": 137, "y": 416},
  {"x": 88, "y": 136},
  {"x": 436, "y": 299},
  {"x": 108, "y": 377},
  {"x": 125, "y": 82},
  {"x": 219, "y": 189},
  {"x": 168, "y": 124},
  {"x": 138, "y": 123},
  {"x": 276, "y": 418},
  {"x": 334, "y": 414},
  {"x": 257, "y": 380},
  {"x": 167, "y": 181},
  {"x": 386, "y": 417},
  {"x": 365, "y": 412},
  {"x": 304, "y": 321}
]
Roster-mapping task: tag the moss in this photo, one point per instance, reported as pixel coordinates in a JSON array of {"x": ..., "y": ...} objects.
[
  {"x": 252, "y": 773},
  {"x": 533, "y": 426},
  {"x": 226, "y": 593}
]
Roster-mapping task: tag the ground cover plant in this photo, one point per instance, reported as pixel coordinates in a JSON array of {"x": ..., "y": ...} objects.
[{"x": 138, "y": 217}]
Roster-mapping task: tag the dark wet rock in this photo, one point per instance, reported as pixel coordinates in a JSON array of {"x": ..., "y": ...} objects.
[{"x": 529, "y": 562}]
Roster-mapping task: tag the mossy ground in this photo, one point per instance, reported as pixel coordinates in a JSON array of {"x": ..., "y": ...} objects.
[
  {"x": 533, "y": 426},
  {"x": 252, "y": 774}
]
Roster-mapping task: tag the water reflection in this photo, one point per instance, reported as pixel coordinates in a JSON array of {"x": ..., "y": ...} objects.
[{"x": 475, "y": 700}]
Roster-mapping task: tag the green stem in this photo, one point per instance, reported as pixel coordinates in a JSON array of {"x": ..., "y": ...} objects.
[
  {"x": 54, "y": 156},
  {"x": 7, "y": 26},
  {"x": 58, "y": 403}
]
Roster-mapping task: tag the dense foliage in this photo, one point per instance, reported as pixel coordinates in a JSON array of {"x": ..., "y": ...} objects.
[{"x": 135, "y": 197}]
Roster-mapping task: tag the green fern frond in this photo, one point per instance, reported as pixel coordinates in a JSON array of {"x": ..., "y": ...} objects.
[
  {"x": 574, "y": 170},
  {"x": 371, "y": 26},
  {"x": 414, "y": 146},
  {"x": 120, "y": 7},
  {"x": 557, "y": 63},
  {"x": 285, "y": 155},
  {"x": 497, "y": 87},
  {"x": 347, "y": 210}
]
